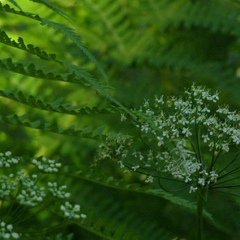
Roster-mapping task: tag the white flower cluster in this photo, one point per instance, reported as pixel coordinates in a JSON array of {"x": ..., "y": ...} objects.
[
  {"x": 7, "y": 186},
  {"x": 6, "y": 231},
  {"x": 46, "y": 165},
  {"x": 71, "y": 211},
  {"x": 57, "y": 191},
  {"x": 31, "y": 194},
  {"x": 30, "y": 187},
  {"x": 115, "y": 148},
  {"x": 184, "y": 135},
  {"x": 6, "y": 159}
]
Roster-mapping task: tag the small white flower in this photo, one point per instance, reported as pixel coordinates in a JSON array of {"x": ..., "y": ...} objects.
[
  {"x": 201, "y": 181},
  {"x": 71, "y": 211},
  {"x": 186, "y": 132},
  {"x": 123, "y": 117},
  {"x": 145, "y": 128},
  {"x": 57, "y": 191},
  {"x": 8, "y": 153},
  {"x": 83, "y": 216},
  {"x": 6, "y": 231},
  {"x": 213, "y": 176},
  {"x": 47, "y": 165},
  {"x": 134, "y": 168},
  {"x": 149, "y": 179},
  {"x": 192, "y": 189},
  {"x": 159, "y": 100},
  {"x": 205, "y": 138}
]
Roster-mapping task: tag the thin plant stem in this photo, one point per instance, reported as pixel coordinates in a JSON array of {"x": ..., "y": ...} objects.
[{"x": 200, "y": 207}]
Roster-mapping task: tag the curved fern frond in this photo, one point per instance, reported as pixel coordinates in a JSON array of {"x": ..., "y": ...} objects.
[
  {"x": 67, "y": 31},
  {"x": 53, "y": 127},
  {"x": 15, "y": 4},
  {"x": 164, "y": 34},
  {"x": 29, "y": 48},
  {"x": 105, "y": 10},
  {"x": 8, "y": 9},
  {"x": 55, "y": 106},
  {"x": 55, "y": 9},
  {"x": 112, "y": 183},
  {"x": 124, "y": 224},
  {"x": 116, "y": 230},
  {"x": 121, "y": 185},
  {"x": 32, "y": 71}
]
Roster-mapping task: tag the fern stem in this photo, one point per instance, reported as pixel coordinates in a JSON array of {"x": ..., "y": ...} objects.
[{"x": 200, "y": 207}]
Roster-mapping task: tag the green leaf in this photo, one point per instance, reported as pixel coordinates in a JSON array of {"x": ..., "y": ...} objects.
[
  {"x": 50, "y": 127},
  {"x": 54, "y": 8}
]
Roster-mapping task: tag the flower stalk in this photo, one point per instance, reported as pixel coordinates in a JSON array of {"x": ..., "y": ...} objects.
[{"x": 200, "y": 208}]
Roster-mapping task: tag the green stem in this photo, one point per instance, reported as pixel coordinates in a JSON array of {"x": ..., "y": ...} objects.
[{"x": 200, "y": 206}]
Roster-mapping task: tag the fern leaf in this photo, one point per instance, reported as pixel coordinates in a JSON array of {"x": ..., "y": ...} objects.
[
  {"x": 110, "y": 14},
  {"x": 67, "y": 31},
  {"x": 15, "y": 4},
  {"x": 7, "y": 8},
  {"x": 51, "y": 127},
  {"x": 110, "y": 182},
  {"x": 124, "y": 224},
  {"x": 32, "y": 71},
  {"x": 55, "y": 9},
  {"x": 55, "y": 106},
  {"x": 120, "y": 185},
  {"x": 30, "y": 48}
]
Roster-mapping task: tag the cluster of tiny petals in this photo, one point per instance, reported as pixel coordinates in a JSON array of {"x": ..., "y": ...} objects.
[
  {"x": 115, "y": 147},
  {"x": 27, "y": 187},
  {"x": 7, "y": 186},
  {"x": 31, "y": 194},
  {"x": 169, "y": 126},
  {"x": 58, "y": 191},
  {"x": 174, "y": 131},
  {"x": 6, "y": 159},
  {"x": 71, "y": 211},
  {"x": 6, "y": 231},
  {"x": 46, "y": 165}
]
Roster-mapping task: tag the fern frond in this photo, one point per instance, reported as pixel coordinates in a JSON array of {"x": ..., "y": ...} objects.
[
  {"x": 8, "y": 9},
  {"x": 105, "y": 10},
  {"x": 124, "y": 224},
  {"x": 29, "y": 48},
  {"x": 55, "y": 9},
  {"x": 121, "y": 185},
  {"x": 53, "y": 127},
  {"x": 112, "y": 183},
  {"x": 215, "y": 15},
  {"x": 82, "y": 77},
  {"x": 15, "y": 4},
  {"x": 67, "y": 31},
  {"x": 55, "y": 106}
]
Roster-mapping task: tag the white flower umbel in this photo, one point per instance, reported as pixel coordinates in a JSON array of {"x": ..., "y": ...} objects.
[
  {"x": 187, "y": 131},
  {"x": 31, "y": 194},
  {"x": 7, "y": 186},
  {"x": 6, "y": 159},
  {"x": 186, "y": 137},
  {"x": 6, "y": 231},
  {"x": 31, "y": 186},
  {"x": 57, "y": 191},
  {"x": 47, "y": 165},
  {"x": 71, "y": 211}
]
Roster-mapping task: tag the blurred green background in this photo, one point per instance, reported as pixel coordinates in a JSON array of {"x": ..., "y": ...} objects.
[{"x": 146, "y": 48}]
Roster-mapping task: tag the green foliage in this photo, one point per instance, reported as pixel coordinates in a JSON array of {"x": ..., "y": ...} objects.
[
  {"x": 56, "y": 101},
  {"x": 178, "y": 41}
]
